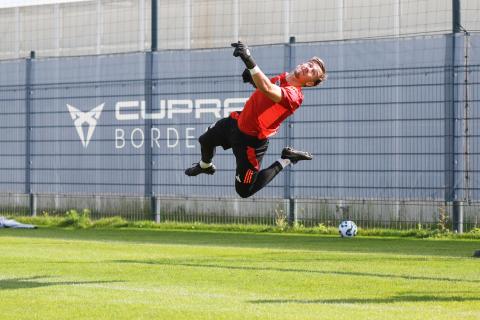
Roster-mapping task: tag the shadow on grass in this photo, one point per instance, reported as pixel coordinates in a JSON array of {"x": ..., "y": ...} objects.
[
  {"x": 35, "y": 282},
  {"x": 291, "y": 270},
  {"x": 394, "y": 299}
]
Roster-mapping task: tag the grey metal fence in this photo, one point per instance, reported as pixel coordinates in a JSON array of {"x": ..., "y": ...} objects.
[{"x": 393, "y": 132}]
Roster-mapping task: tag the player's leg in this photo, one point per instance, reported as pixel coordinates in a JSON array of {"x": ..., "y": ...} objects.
[
  {"x": 249, "y": 180},
  {"x": 216, "y": 135},
  {"x": 289, "y": 155},
  {"x": 254, "y": 181},
  {"x": 248, "y": 177}
]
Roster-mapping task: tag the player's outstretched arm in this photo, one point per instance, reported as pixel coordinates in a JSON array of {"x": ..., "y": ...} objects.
[{"x": 261, "y": 81}]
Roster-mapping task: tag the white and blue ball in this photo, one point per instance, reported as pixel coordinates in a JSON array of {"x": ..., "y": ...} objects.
[{"x": 347, "y": 229}]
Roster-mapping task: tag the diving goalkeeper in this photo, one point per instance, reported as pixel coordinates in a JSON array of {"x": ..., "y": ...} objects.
[{"x": 247, "y": 132}]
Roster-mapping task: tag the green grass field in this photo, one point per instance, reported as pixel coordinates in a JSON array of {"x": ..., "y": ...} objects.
[{"x": 53, "y": 273}]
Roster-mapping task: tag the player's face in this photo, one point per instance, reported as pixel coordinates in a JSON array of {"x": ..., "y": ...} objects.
[{"x": 307, "y": 73}]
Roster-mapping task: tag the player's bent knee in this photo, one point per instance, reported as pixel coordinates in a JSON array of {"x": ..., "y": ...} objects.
[
  {"x": 202, "y": 139},
  {"x": 243, "y": 190},
  {"x": 243, "y": 194}
]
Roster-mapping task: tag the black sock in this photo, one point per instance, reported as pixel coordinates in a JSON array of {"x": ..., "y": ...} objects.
[{"x": 207, "y": 153}]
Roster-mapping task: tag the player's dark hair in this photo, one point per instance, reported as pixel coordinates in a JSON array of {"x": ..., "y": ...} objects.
[{"x": 323, "y": 76}]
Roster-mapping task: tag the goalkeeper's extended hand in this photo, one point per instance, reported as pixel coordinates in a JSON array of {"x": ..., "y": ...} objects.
[{"x": 242, "y": 51}]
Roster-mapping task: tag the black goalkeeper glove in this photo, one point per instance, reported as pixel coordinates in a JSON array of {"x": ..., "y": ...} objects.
[
  {"x": 241, "y": 50},
  {"x": 247, "y": 77}
]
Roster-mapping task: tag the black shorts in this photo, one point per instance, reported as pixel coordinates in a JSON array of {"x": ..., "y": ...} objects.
[{"x": 248, "y": 150}]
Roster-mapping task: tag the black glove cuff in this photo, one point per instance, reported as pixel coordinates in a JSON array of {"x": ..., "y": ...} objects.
[
  {"x": 249, "y": 62},
  {"x": 247, "y": 77}
]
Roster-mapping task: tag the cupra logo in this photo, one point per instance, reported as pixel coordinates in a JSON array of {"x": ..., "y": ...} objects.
[
  {"x": 135, "y": 110},
  {"x": 90, "y": 118}
]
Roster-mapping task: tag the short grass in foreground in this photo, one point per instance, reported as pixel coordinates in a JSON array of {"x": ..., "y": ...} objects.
[{"x": 54, "y": 273}]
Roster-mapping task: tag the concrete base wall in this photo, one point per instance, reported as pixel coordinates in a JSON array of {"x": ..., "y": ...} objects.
[
  {"x": 388, "y": 214},
  {"x": 310, "y": 212},
  {"x": 14, "y": 203}
]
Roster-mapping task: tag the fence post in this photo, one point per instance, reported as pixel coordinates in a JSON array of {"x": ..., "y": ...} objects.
[
  {"x": 154, "y": 202},
  {"x": 457, "y": 216},
  {"x": 450, "y": 147},
  {"x": 156, "y": 205},
  {"x": 154, "y": 25},
  {"x": 148, "y": 152},
  {"x": 28, "y": 105},
  {"x": 449, "y": 111},
  {"x": 32, "y": 200},
  {"x": 287, "y": 192},
  {"x": 456, "y": 18},
  {"x": 292, "y": 211}
]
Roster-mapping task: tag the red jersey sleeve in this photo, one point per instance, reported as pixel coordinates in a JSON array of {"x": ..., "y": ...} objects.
[
  {"x": 292, "y": 98},
  {"x": 274, "y": 79}
]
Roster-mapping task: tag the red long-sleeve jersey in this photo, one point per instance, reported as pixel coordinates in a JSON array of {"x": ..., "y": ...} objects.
[{"x": 261, "y": 117}]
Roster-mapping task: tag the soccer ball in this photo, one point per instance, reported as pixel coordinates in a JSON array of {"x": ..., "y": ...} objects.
[{"x": 347, "y": 229}]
